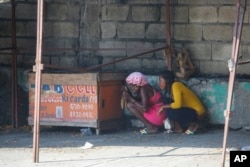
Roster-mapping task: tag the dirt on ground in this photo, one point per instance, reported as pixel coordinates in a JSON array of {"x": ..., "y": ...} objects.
[{"x": 67, "y": 146}]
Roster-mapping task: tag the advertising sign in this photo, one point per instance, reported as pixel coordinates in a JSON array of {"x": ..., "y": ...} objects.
[{"x": 66, "y": 102}]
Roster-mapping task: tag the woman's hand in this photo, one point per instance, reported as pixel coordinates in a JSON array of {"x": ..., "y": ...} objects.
[
  {"x": 163, "y": 108},
  {"x": 126, "y": 96},
  {"x": 160, "y": 110}
]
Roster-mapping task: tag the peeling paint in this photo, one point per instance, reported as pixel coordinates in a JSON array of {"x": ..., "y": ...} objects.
[{"x": 245, "y": 86}]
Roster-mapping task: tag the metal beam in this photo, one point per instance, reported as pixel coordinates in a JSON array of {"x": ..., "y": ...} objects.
[
  {"x": 232, "y": 65},
  {"x": 37, "y": 68}
]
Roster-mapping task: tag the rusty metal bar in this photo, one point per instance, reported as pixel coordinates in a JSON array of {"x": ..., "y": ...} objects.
[
  {"x": 168, "y": 28},
  {"x": 102, "y": 65},
  {"x": 232, "y": 69},
  {"x": 168, "y": 52},
  {"x": 244, "y": 62},
  {"x": 88, "y": 49},
  {"x": 37, "y": 68},
  {"x": 14, "y": 97}
]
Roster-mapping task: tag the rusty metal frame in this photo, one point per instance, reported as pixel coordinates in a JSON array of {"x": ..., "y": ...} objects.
[
  {"x": 168, "y": 52},
  {"x": 14, "y": 96},
  {"x": 38, "y": 67},
  {"x": 232, "y": 65}
]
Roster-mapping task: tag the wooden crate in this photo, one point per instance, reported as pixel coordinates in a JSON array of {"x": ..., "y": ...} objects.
[{"x": 80, "y": 100}]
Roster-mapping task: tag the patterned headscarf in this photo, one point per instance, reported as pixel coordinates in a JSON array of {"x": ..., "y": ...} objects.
[{"x": 137, "y": 78}]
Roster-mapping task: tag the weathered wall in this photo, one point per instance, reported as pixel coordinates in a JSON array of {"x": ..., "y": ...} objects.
[{"x": 204, "y": 27}]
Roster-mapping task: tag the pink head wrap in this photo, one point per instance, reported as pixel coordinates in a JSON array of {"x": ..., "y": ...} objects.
[{"x": 137, "y": 78}]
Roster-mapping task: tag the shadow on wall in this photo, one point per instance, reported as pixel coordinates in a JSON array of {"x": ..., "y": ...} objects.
[{"x": 6, "y": 100}]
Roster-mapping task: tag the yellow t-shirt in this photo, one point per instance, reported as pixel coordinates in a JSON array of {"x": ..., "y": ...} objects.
[{"x": 184, "y": 97}]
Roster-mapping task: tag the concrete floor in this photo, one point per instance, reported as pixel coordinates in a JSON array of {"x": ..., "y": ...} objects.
[{"x": 64, "y": 146}]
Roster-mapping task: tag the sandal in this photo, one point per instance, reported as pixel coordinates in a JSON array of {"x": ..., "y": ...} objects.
[
  {"x": 189, "y": 132},
  {"x": 169, "y": 131},
  {"x": 145, "y": 131}
]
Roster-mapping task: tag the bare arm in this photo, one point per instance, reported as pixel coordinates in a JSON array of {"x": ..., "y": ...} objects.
[{"x": 164, "y": 107}]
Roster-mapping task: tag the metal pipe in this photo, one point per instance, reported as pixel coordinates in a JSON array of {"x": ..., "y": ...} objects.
[
  {"x": 102, "y": 65},
  {"x": 88, "y": 49},
  {"x": 244, "y": 62},
  {"x": 168, "y": 52},
  {"x": 234, "y": 58},
  {"x": 38, "y": 67},
  {"x": 14, "y": 68}
]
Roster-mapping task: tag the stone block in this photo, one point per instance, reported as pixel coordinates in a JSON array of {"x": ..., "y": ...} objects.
[
  {"x": 110, "y": 67},
  {"x": 243, "y": 69},
  {"x": 5, "y": 59},
  {"x": 45, "y": 59},
  {"x": 26, "y": 11},
  {"x": 153, "y": 65},
  {"x": 156, "y": 31},
  {"x": 203, "y": 14},
  {"x": 53, "y": 46},
  {"x": 131, "y": 30},
  {"x": 188, "y": 32},
  {"x": 29, "y": 60},
  {"x": 20, "y": 29},
  {"x": 221, "y": 2},
  {"x": 5, "y": 42},
  {"x": 217, "y": 32},
  {"x": 115, "y": 12},
  {"x": 5, "y": 11},
  {"x": 139, "y": 47},
  {"x": 221, "y": 51},
  {"x": 213, "y": 67},
  {"x": 199, "y": 51},
  {"x": 227, "y": 14},
  {"x": 89, "y": 61},
  {"x": 159, "y": 54},
  {"x": 112, "y": 48},
  {"x": 56, "y": 12},
  {"x": 47, "y": 29},
  {"x": 5, "y": 28},
  {"x": 245, "y": 36},
  {"x": 129, "y": 65},
  {"x": 68, "y": 61},
  {"x": 244, "y": 52},
  {"x": 141, "y": 13},
  {"x": 192, "y": 2},
  {"x": 137, "y": 1},
  {"x": 55, "y": 60},
  {"x": 27, "y": 43},
  {"x": 162, "y": 2},
  {"x": 66, "y": 29},
  {"x": 177, "y": 14},
  {"x": 30, "y": 29},
  {"x": 108, "y": 30}
]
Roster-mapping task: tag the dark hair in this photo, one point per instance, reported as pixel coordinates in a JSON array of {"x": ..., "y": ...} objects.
[{"x": 168, "y": 76}]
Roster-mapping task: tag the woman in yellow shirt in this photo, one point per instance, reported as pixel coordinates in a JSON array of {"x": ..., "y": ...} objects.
[{"x": 186, "y": 109}]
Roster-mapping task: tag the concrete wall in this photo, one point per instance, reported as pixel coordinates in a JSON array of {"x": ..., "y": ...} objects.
[{"x": 204, "y": 27}]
